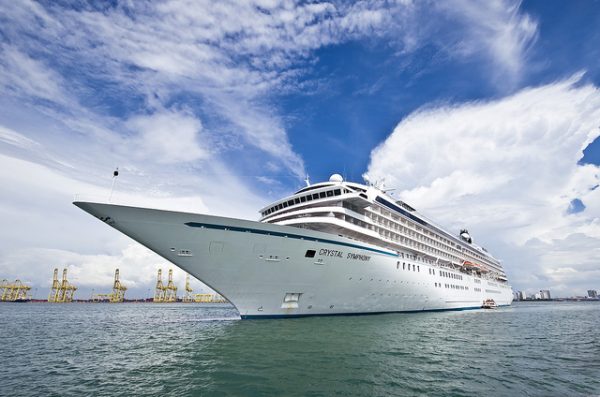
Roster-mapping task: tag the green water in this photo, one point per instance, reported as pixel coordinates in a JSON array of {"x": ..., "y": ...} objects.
[{"x": 535, "y": 349}]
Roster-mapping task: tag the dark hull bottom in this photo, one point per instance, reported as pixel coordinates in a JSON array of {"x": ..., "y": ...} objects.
[{"x": 273, "y": 316}]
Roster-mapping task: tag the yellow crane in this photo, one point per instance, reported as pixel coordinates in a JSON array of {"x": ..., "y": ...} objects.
[
  {"x": 171, "y": 289},
  {"x": 200, "y": 298},
  {"x": 62, "y": 292},
  {"x": 14, "y": 292},
  {"x": 54, "y": 290},
  {"x": 160, "y": 290},
  {"x": 116, "y": 296},
  {"x": 3, "y": 287},
  {"x": 188, "y": 297}
]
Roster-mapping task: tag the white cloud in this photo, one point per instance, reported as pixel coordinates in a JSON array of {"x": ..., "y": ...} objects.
[
  {"x": 169, "y": 137},
  {"x": 12, "y": 137},
  {"x": 27, "y": 77},
  {"x": 235, "y": 55},
  {"x": 508, "y": 170},
  {"x": 497, "y": 28}
]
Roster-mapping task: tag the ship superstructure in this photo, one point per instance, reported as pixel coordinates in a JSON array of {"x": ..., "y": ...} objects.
[
  {"x": 335, "y": 247},
  {"x": 366, "y": 213}
]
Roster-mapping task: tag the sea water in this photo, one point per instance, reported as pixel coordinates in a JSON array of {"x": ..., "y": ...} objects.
[{"x": 529, "y": 349}]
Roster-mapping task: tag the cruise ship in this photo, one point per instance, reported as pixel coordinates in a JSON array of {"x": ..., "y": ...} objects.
[{"x": 331, "y": 248}]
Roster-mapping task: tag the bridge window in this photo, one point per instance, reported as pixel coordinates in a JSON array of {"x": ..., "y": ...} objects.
[{"x": 322, "y": 195}]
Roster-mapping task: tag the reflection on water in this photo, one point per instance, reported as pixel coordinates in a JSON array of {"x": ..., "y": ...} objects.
[{"x": 188, "y": 349}]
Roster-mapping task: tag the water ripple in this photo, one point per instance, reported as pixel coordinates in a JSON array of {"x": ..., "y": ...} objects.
[{"x": 530, "y": 349}]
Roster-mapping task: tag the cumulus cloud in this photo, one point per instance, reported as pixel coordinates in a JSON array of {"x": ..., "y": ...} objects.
[
  {"x": 168, "y": 137},
  {"x": 508, "y": 170}
]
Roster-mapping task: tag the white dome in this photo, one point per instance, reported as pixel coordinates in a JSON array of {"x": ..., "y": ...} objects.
[{"x": 336, "y": 178}]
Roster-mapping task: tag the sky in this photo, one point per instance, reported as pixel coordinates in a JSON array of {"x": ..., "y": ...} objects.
[{"x": 480, "y": 114}]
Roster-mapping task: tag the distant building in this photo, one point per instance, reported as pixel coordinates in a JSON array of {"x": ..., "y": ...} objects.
[
  {"x": 522, "y": 295},
  {"x": 592, "y": 293},
  {"x": 545, "y": 294},
  {"x": 537, "y": 296}
]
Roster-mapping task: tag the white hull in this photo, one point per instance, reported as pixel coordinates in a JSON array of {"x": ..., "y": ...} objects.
[{"x": 254, "y": 265}]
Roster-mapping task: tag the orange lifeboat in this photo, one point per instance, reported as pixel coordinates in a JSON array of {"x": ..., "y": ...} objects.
[{"x": 470, "y": 265}]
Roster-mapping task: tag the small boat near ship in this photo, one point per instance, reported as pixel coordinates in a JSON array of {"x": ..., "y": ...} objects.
[{"x": 489, "y": 304}]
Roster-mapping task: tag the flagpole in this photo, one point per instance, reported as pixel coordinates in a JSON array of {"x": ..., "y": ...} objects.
[{"x": 115, "y": 175}]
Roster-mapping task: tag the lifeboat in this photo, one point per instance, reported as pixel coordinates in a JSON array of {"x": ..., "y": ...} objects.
[
  {"x": 469, "y": 265},
  {"x": 472, "y": 265}
]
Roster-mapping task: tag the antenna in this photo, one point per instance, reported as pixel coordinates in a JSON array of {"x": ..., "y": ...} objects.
[
  {"x": 307, "y": 180},
  {"x": 115, "y": 175}
]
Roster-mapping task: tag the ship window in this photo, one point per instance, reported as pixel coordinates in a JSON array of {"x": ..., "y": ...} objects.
[
  {"x": 403, "y": 265},
  {"x": 322, "y": 195},
  {"x": 310, "y": 253},
  {"x": 329, "y": 193},
  {"x": 296, "y": 201},
  {"x": 418, "y": 269},
  {"x": 285, "y": 205},
  {"x": 290, "y": 202},
  {"x": 414, "y": 268},
  {"x": 433, "y": 270},
  {"x": 315, "y": 196},
  {"x": 336, "y": 192},
  {"x": 302, "y": 199}
]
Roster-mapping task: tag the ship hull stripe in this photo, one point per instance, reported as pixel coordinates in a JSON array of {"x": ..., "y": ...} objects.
[
  {"x": 288, "y": 235},
  {"x": 276, "y": 316}
]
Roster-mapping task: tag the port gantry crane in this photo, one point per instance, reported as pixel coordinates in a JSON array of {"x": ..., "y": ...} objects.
[
  {"x": 160, "y": 290},
  {"x": 14, "y": 292},
  {"x": 171, "y": 289},
  {"x": 116, "y": 296},
  {"x": 63, "y": 291},
  {"x": 188, "y": 297}
]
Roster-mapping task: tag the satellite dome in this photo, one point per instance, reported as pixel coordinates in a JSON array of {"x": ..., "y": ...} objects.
[{"x": 336, "y": 178}]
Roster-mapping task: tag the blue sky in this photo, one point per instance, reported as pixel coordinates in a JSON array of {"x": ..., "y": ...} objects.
[{"x": 480, "y": 114}]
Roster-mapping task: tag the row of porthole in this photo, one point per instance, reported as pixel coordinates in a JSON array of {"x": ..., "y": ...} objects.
[{"x": 387, "y": 281}]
